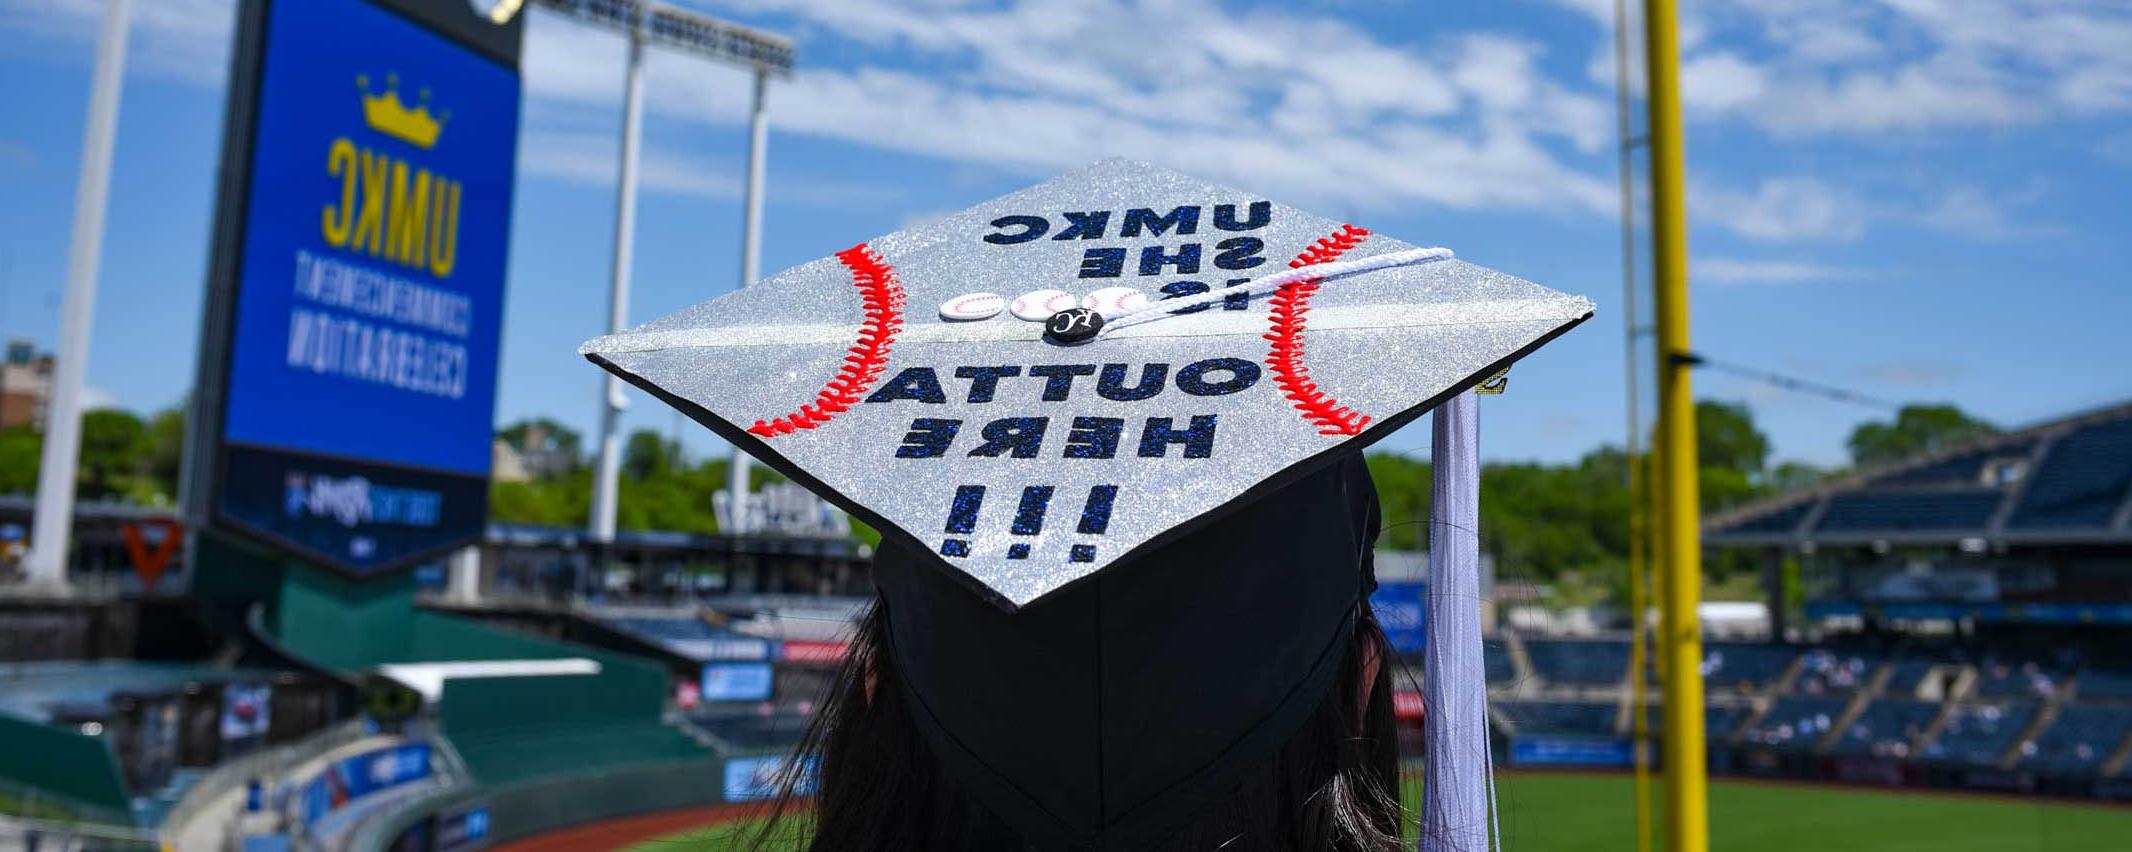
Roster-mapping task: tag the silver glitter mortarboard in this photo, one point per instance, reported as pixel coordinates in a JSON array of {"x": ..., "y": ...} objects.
[{"x": 1027, "y": 464}]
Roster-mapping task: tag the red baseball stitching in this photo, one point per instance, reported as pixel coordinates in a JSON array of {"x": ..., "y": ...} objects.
[
  {"x": 883, "y": 298},
  {"x": 1289, "y": 306}
]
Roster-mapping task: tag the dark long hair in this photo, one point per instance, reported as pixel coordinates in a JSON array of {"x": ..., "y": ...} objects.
[{"x": 1334, "y": 786}]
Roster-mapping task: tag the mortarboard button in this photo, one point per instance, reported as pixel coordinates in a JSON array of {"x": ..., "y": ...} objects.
[
  {"x": 972, "y": 306},
  {"x": 1072, "y": 326},
  {"x": 1039, "y": 305},
  {"x": 1112, "y": 301}
]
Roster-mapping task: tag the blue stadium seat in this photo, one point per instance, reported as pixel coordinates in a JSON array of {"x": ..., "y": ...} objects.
[
  {"x": 1495, "y": 659},
  {"x": 1797, "y": 723},
  {"x": 1904, "y": 676},
  {"x": 1745, "y": 664},
  {"x": 1887, "y": 728},
  {"x": 2079, "y": 739},
  {"x": 1579, "y": 662},
  {"x": 2082, "y": 479},
  {"x": 1910, "y": 510},
  {"x": 1832, "y": 673},
  {"x": 1979, "y": 733},
  {"x": 2106, "y": 685},
  {"x": 1559, "y": 717}
]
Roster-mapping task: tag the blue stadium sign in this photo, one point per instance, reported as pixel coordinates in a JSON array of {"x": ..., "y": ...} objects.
[{"x": 359, "y": 280}]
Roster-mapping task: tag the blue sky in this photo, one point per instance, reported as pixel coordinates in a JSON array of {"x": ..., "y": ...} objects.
[{"x": 1917, "y": 199}]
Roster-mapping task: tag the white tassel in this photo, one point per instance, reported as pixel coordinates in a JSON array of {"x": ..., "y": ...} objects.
[
  {"x": 1264, "y": 284},
  {"x": 1458, "y": 795}
]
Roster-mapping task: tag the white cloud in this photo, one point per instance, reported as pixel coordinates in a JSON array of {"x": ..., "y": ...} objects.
[
  {"x": 185, "y": 40},
  {"x": 1878, "y": 66},
  {"x": 1782, "y": 209},
  {"x": 95, "y": 398},
  {"x": 1732, "y": 271},
  {"x": 1309, "y": 108}
]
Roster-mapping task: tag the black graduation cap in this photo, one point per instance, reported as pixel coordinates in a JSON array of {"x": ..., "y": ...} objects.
[{"x": 1109, "y": 428}]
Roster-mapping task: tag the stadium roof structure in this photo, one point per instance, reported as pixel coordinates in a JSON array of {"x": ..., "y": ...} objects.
[{"x": 2064, "y": 482}]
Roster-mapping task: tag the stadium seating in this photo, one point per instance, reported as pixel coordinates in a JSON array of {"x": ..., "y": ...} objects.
[
  {"x": 2000, "y": 678},
  {"x": 1797, "y": 723},
  {"x": 1553, "y": 717},
  {"x": 2079, "y": 739},
  {"x": 1495, "y": 659},
  {"x": 1979, "y": 733},
  {"x": 2105, "y": 685},
  {"x": 752, "y": 732},
  {"x": 1825, "y": 672},
  {"x": 1576, "y": 662},
  {"x": 1719, "y": 720},
  {"x": 1910, "y": 510},
  {"x": 1745, "y": 664},
  {"x": 1905, "y": 675},
  {"x": 665, "y": 629},
  {"x": 2083, "y": 479},
  {"x": 1887, "y": 728}
]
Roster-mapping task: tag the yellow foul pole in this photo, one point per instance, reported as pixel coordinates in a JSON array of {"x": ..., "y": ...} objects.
[{"x": 1687, "y": 824}]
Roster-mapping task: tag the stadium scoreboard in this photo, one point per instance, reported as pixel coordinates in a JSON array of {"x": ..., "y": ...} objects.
[{"x": 355, "y": 295}]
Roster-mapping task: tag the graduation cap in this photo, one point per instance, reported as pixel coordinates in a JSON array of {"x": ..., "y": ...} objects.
[
  {"x": 1124, "y": 408},
  {"x": 915, "y": 381}
]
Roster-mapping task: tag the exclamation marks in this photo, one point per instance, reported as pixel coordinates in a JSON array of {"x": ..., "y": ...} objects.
[
  {"x": 962, "y": 519},
  {"x": 1095, "y": 519},
  {"x": 1029, "y": 518}
]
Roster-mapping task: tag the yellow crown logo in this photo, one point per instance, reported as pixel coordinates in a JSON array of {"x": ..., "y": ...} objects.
[{"x": 386, "y": 114}]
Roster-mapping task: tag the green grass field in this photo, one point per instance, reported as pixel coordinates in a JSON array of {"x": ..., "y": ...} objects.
[{"x": 1579, "y": 813}]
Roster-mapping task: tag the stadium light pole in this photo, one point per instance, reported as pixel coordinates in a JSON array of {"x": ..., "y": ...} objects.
[
  {"x": 1680, "y": 639},
  {"x": 750, "y": 268},
  {"x": 665, "y": 26},
  {"x": 54, "y": 513},
  {"x": 607, "y": 476}
]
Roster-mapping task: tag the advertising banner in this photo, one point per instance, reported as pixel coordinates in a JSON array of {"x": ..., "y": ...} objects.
[
  {"x": 363, "y": 308},
  {"x": 753, "y": 779},
  {"x": 1398, "y": 605},
  {"x": 736, "y": 682},
  {"x": 1570, "y": 751},
  {"x": 352, "y": 778}
]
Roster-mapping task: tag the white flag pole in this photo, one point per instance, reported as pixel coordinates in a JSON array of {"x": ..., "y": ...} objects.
[{"x": 1457, "y": 794}]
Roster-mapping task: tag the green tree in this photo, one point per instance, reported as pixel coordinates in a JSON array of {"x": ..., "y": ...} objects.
[
  {"x": 1917, "y": 429},
  {"x": 647, "y": 455},
  {"x": 165, "y": 455},
  {"x": 1726, "y": 437},
  {"x": 114, "y": 447},
  {"x": 20, "y": 451}
]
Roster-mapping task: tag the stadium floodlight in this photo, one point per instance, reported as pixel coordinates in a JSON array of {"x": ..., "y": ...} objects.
[
  {"x": 694, "y": 34},
  {"x": 53, "y": 519}
]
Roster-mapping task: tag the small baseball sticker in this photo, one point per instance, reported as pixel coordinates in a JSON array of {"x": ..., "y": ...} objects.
[
  {"x": 1039, "y": 305},
  {"x": 972, "y": 306},
  {"x": 1112, "y": 301}
]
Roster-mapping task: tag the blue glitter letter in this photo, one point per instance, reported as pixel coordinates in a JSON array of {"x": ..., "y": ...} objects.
[
  {"x": 1225, "y": 216},
  {"x": 1184, "y": 219},
  {"x": 1181, "y": 289},
  {"x": 928, "y": 438},
  {"x": 1093, "y": 438},
  {"x": 1058, "y": 378},
  {"x": 962, "y": 514},
  {"x": 1032, "y": 227},
  {"x": 1029, "y": 518},
  {"x": 1085, "y": 226},
  {"x": 1240, "y": 253},
  {"x": 1192, "y": 379},
  {"x": 1111, "y": 384},
  {"x": 1103, "y": 263},
  {"x": 1152, "y": 260},
  {"x": 984, "y": 380},
  {"x": 1022, "y": 436},
  {"x": 1095, "y": 514},
  {"x": 919, "y": 383},
  {"x": 1161, "y": 432}
]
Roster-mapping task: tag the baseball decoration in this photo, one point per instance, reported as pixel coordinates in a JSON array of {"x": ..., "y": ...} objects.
[
  {"x": 972, "y": 306},
  {"x": 1231, "y": 344},
  {"x": 1040, "y": 305}
]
